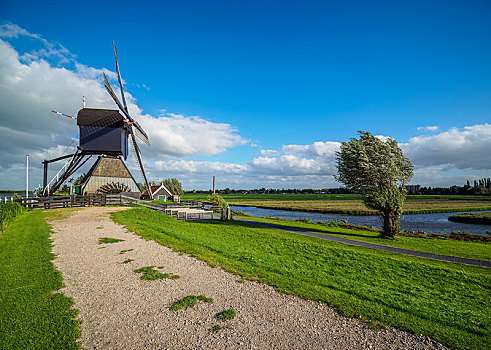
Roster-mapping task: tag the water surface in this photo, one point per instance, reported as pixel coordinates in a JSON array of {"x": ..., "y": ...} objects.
[{"x": 434, "y": 223}]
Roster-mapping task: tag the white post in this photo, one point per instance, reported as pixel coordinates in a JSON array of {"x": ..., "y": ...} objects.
[{"x": 27, "y": 176}]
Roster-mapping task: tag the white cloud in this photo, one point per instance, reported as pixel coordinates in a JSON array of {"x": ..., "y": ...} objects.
[
  {"x": 428, "y": 128},
  {"x": 317, "y": 149},
  {"x": 178, "y": 136},
  {"x": 467, "y": 148},
  {"x": 10, "y": 30},
  {"x": 199, "y": 175},
  {"x": 269, "y": 152}
]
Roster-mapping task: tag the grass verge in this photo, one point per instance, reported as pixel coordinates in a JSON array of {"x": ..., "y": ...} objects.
[
  {"x": 473, "y": 250},
  {"x": 448, "y": 302},
  {"x": 33, "y": 315}
]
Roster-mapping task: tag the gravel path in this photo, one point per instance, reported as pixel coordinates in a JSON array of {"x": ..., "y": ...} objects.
[
  {"x": 120, "y": 311},
  {"x": 447, "y": 258}
]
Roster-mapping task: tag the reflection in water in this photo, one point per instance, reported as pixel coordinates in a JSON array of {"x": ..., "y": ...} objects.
[{"x": 434, "y": 223}]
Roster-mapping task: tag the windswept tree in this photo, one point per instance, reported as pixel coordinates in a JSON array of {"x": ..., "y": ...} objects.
[{"x": 378, "y": 170}]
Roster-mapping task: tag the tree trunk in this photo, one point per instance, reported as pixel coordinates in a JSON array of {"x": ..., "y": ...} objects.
[{"x": 391, "y": 223}]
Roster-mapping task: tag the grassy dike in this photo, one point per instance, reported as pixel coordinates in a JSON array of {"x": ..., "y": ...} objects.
[
  {"x": 473, "y": 218},
  {"x": 473, "y": 250},
  {"x": 32, "y": 314},
  {"x": 448, "y": 302}
]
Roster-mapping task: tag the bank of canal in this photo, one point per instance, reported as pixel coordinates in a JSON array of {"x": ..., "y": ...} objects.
[{"x": 434, "y": 223}]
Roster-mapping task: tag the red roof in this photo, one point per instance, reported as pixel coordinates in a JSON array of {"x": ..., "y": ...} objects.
[{"x": 152, "y": 188}]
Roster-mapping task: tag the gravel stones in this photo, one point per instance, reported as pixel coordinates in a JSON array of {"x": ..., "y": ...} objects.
[{"x": 118, "y": 310}]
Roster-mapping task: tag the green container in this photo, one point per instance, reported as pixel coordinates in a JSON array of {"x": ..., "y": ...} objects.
[{"x": 77, "y": 189}]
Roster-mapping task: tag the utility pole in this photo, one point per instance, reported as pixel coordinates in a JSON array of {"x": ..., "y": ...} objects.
[
  {"x": 213, "y": 184},
  {"x": 27, "y": 176}
]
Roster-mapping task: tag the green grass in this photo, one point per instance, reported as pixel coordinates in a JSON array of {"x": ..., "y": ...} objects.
[
  {"x": 226, "y": 315},
  {"x": 474, "y": 218},
  {"x": 189, "y": 301},
  {"x": 448, "y": 302},
  {"x": 474, "y": 250},
  {"x": 150, "y": 273},
  {"x": 32, "y": 314},
  {"x": 216, "y": 328},
  {"x": 125, "y": 251},
  {"x": 127, "y": 261},
  {"x": 105, "y": 240},
  {"x": 60, "y": 213}
]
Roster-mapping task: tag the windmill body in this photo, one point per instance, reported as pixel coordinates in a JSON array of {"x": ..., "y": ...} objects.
[
  {"x": 102, "y": 131},
  {"x": 106, "y": 133}
]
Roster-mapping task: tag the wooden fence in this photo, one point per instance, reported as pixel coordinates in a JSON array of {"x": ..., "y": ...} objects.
[
  {"x": 183, "y": 211},
  {"x": 52, "y": 202}
]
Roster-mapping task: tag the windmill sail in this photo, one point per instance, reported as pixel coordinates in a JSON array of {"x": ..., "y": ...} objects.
[
  {"x": 130, "y": 121},
  {"x": 142, "y": 135},
  {"x": 119, "y": 78},
  {"x": 115, "y": 98}
]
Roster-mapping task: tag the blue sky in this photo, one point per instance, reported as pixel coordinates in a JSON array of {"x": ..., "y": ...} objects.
[{"x": 260, "y": 76}]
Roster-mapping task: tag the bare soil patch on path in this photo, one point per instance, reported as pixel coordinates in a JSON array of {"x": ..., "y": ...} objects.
[{"x": 118, "y": 310}]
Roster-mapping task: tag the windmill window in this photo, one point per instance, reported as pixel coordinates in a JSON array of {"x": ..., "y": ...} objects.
[{"x": 162, "y": 198}]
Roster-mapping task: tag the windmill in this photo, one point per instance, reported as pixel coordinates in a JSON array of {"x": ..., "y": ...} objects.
[{"x": 103, "y": 132}]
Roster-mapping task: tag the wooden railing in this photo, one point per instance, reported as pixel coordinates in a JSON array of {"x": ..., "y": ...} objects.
[{"x": 52, "y": 202}]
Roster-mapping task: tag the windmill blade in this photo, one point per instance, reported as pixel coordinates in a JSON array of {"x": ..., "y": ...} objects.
[
  {"x": 142, "y": 135},
  {"x": 140, "y": 163},
  {"x": 115, "y": 98},
  {"x": 64, "y": 115},
  {"x": 119, "y": 78}
]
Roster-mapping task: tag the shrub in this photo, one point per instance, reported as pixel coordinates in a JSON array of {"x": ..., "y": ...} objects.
[
  {"x": 8, "y": 211},
  {"x": 333, "y": 223},
  {"x": 217, "y": 200},
  {"x": 305, "y": 220}
]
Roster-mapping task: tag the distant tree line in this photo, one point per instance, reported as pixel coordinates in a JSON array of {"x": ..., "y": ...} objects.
[
  {"x": 277, "y": 191},
  {"x": 478, "y": 187}
]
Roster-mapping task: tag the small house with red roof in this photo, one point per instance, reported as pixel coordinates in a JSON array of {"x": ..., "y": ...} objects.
[{"x": 160, "y": 193}]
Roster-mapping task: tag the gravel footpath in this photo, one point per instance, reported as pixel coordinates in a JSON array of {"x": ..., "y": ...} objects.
[{"x": 120, "y": 311}]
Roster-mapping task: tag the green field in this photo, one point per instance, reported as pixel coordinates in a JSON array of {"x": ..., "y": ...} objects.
[
  {"x": 350, "y": 204},
  {"x": 448, "y": 302},
  {"x": 32, "y": 316},
  {"x": 474, "y": 250}
]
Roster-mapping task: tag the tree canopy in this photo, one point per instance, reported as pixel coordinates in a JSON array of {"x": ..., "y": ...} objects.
[
  {"x": 378, "y": 170},
  {"x": 173, "y": 185}
]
